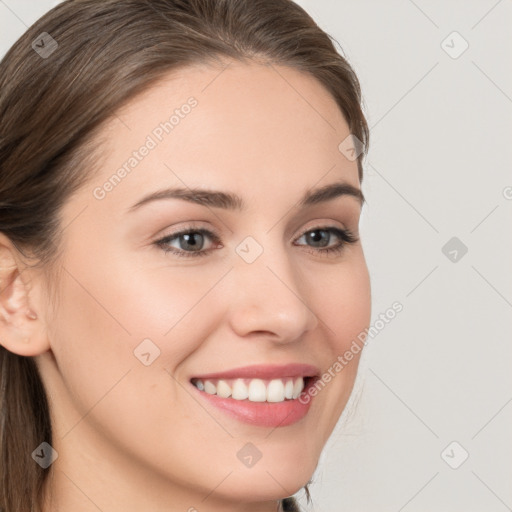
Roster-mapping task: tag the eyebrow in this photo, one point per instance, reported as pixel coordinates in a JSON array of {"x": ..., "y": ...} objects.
[{"x": 230, "y": 201}]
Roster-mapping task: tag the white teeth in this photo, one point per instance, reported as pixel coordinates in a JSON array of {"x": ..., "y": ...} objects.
[
  {"x": 240, "y": 391},
  {"x": 209, "y": 387},
  {"x": 255, "y": 390},
  {"x": 297, "y": 388},
  {"x": 275, "y": 391},
  {"x": 288, "y": 389},
  {"x": 223, "y": 389}
]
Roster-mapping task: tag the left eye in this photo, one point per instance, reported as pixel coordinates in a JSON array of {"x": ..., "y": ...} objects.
[{"x": 318, "y": 237}]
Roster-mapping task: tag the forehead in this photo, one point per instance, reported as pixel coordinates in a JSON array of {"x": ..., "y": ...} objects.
[
  {"x": 227, "y": 86},
  {"x": 235, "y": 125}
]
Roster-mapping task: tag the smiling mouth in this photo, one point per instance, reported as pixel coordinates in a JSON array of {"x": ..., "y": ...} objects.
[{"x": 254, "y": 390}]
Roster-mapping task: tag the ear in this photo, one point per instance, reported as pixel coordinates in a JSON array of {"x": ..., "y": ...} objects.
[{"x": 22, "y": 329}]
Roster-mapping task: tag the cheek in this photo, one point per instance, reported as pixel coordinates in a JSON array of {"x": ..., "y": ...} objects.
[
  {"x": 341, "y": 297},
  {"x": 110, "y": 317},
  {"x": 175, "y": 308},
  {"x": 101, "y": 320},
  {"x": 91, "y": 339}
]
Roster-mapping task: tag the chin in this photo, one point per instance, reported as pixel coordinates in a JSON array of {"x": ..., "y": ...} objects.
[
  {"x": 264, "y": 487},
  {"x": 270, "y": 479}
]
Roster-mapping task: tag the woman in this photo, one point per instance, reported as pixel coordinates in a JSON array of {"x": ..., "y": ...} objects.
[{"x": 180, "y": 191}]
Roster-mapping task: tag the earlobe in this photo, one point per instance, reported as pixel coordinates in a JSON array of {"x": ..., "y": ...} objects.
[{"x": 21, "y": 329}]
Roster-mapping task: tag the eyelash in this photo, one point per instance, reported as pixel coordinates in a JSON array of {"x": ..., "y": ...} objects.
[{"x": 345, "y": 235}]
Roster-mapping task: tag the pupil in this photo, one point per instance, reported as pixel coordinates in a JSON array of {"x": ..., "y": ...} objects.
[
  {"x": 320, "y": 236},
  {"x": 190, "y": 241}
]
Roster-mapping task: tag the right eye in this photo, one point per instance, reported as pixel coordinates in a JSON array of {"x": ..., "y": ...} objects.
[{"x": 188, "y": 242}]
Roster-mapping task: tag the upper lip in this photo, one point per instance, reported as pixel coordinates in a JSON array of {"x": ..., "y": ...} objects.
[{"x": 264, "y": 371}]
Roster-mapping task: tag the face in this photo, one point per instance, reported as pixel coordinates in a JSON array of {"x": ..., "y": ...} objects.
[{"x": 157, "y": 292}]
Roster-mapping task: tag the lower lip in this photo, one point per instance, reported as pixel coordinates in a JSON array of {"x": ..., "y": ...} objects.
[{"x": 263, "y": 414}]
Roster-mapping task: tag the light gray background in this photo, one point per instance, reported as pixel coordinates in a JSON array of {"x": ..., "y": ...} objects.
[{"x": 439, "y": 167}]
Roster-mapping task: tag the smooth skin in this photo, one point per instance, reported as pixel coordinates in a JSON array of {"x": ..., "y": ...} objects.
[{"x": 131, "y": 437}]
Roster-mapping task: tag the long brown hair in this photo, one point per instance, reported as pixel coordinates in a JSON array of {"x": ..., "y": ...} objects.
[{"x": 59, "y": 83}]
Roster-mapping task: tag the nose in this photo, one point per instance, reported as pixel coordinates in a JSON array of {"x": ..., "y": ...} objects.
[{"x": 269, "y": 298}]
